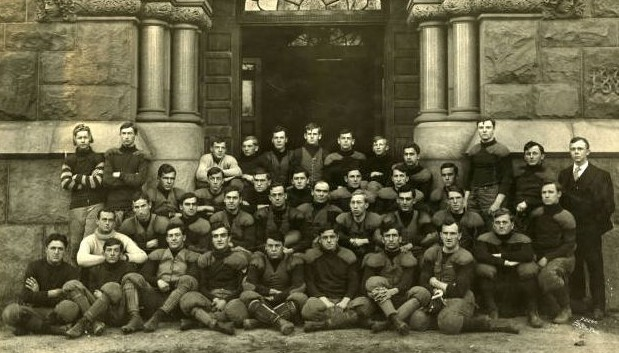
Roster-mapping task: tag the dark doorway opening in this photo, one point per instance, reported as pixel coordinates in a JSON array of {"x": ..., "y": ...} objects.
[{"x": 328, "y": 75}]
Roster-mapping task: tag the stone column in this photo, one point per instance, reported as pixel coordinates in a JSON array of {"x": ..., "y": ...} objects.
[
  {"x": 184, "y": 99},
  {"x": 464, "y": 69},
  {"x": 433, "y": 73},
  {"x": 154, "y": 70}
]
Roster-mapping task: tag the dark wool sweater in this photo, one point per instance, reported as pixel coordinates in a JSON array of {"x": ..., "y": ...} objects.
[
  {"x": 285, "y": 274},
  {"x": 133, "y": 167},
  {"x": 490, "y": 165},
  {"x": 378, "y": 164},
  {"x": 250, "y": 164},
  {"x": 329, "y": 274},
  {"x": 82, "y": 174},
  {"x": 220, "y": 270},
  {"x": 254, "y": 198},
  {"x": 297, "y": 197},
  {"x": 420, "y": 178},
  {"x": 513, "y": 247},
  {"x": 527, "y": 185},
  {"x": 463, "y": 267},
  {"x": 337, "y": 164},
  {"x": 49, "y": 277},
  {"x": 278, "y": 164},
  {"x": 106, "y": 272},
  {"x": 553, "y": 231}
]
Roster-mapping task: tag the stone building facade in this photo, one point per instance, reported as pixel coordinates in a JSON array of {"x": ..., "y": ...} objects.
[{"x": 547, "y": 70}]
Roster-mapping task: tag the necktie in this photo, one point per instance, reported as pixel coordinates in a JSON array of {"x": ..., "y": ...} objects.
[{"x": 576, "y": 171}]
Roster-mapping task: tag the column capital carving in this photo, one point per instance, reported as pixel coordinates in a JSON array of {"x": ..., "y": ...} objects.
[
  {"x": 195, "y": 12},
  {"x": 424, "y": 10}
]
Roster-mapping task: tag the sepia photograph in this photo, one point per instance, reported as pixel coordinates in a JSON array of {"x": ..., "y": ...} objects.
[{"x": 309, "y": 176}]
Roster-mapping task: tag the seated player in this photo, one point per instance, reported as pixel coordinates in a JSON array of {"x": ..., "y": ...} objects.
[
  {"x": 418, "y": 176},
  {"x": 388, "y": 276},
  {"x": 447, "y": 275},
  {"x": 470, "y": 223},
  {"x": 280, "y": 219},
  {"x": 164, "y": 196},
  {"x": 311, "y": 155},
  {"x": 358, "y": 230},
  {"x": 161, "y": 283},
  {"x": 220, "y": 272},
  {"x": 241, "y": 225},
  {"x": 386, "y": 199},
  {"x": 418, "y": 233},
  {"x": 553, "y": 232},
  {"x": 218, "y": 158},
  {"x": 278, "y": 160},
  {"x": 256, "y": 196},
  {"x": 354, "y": 181},
  {"x": 90, "y": 252},
  {"x": 338, "y": 162},
  {"x": 103, "y": 301},
  {"x": 320, "y": 211},
  {"x": 505, "y": 266},
  {"x": 145, "y": 228},
  {"x": 332, "y": 279},
  {"x": 196, "y": 227},
  {"x": 299, "y": 192},
  {"x": 210, "y": 197},
  {"x": 249, "y": 160},
  {"x": 377, "y": 168},
  {"x": 439, "y": 198},
  {"x": 43, "y": 306},
  {"x": 274, "y": 288}
]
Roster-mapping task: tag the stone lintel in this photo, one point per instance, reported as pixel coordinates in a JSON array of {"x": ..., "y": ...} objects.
[
  {"x": 420, "y": 11},
  {"x": 196, "y": 12}
]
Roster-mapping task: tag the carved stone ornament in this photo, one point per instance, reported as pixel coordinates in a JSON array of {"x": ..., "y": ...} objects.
[
  {"x": 422, "y": 10},
  {"x": 108, "y": 7},
  {"x": 563, "y": 8},
  {"x": 605, "y": 80},
  {"x": 191, "y": 15},
  {"x": 56, "y": 10}
]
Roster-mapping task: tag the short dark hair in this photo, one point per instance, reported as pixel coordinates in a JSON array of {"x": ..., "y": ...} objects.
[
  {"x": 231, "y": 188},
  {"x": 112, "y": 242},
  {"x": 175, "y": 223},
  {"x": 279, "y": 128},
  {"x": 79, "y": 128},
  {"x": 455, "y": 188},
  {"x": 407, "y": 188},
  {"x": 352, "y": 168},
  {"x": 311, "y": 126},
  {"x": 483, "y": 119},
  {"x": 449, "y": 165},
  {"x": 531, "y": 144},
  {"x": 261, "y": 170},
  {"x": 502, "y": 212},
  {"x": 345, "y": 131},
  {"x": 165, "y": 168},
  {"x": 386, "y": 226},
  {"x": 127, "y": 125},
  {"x": 218, "y": 225},
  {"x": 298, "y": 169},
  {"x": 56, "y": 237},
  {"x": 217, "y": 139},
  {"x": 185, "y": 196},
  {"x": 553, "y": 182},
  {"x": 140, "y": 195},
  {"x": 106, "y": 210},
  {"x": 580, "y": 138},
  {"x": 400, "y": 167},
  {"x": 276, "y": 185},
  {"x": 214, "y": 170},
  {"x": 449, "y": 220},
  {"x": 412, "y": 145}
]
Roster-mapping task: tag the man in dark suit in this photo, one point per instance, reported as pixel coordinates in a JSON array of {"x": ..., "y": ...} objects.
[{"x": 588, "y": 195}]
